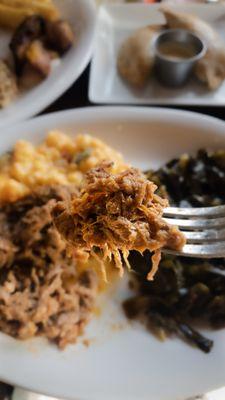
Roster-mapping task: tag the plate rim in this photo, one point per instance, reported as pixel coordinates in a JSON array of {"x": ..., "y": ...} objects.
[{"x": 115, "y": 112}]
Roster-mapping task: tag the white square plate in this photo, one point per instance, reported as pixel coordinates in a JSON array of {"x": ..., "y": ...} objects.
[{"x": 115, "y": 23}]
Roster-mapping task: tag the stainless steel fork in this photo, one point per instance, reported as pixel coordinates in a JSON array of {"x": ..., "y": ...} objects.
[{"x": 203, "y": 227}]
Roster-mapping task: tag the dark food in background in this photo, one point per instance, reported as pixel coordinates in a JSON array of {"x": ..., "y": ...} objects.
[
  {"x": 41, "y": 291},
  {"x": 185, "y": 291},
  {"x": 5, "y": 391},
  {"x": 34, "y": 44},
  {"x": 31, "y": 29},
  {"x": 59, "y": 36}
]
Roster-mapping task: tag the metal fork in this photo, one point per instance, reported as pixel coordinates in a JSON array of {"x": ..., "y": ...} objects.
[{"x": 203, "y": 227}]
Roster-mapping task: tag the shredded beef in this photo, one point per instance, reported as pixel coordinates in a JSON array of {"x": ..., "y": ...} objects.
[
  {"x": 41, "y": 292},
  {"x": 114, "y": 214}
]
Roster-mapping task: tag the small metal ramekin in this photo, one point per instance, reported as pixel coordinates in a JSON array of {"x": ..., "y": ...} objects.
[{"x": 172, "y": 72}]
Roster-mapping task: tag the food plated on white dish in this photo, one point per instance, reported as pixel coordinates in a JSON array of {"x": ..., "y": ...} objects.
[
  {"x": 35, "y": 68},
  {"x": 40, "y": 293},
  {"x": 39, "y": 37},
  {"x": 131, "y": 59}
]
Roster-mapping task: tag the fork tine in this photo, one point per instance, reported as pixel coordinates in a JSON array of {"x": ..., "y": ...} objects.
[
  {"x": 200, "y": 224},
  {"x": 201, "y": 212},
  {"x": 216, "y": 250},
  {"x": 203, "y": 227},
  {"x": 208, "y": 235}
]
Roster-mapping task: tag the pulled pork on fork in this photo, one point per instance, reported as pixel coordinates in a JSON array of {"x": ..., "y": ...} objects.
[{"x": 114, "y": 214}]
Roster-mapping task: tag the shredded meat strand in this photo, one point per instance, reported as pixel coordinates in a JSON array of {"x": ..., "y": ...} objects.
[{"x": 114, "y": 214}]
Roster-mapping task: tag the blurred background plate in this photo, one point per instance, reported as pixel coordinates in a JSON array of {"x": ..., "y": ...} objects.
[
  {"x": 116, "y": 22},
  {"x": 81, "y": 15}
]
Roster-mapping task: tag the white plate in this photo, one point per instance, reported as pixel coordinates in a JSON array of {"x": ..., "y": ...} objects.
[
  {"x": 114, "y": 24},
  {"x": 123, "y": 361},
  {"x": 81, "y": 14}
]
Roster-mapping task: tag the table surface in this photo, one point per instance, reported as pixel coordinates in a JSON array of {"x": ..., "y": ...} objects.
[{"x": 76, "y": 97}]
